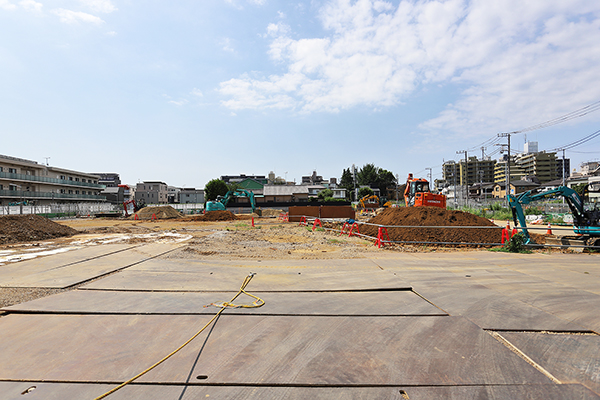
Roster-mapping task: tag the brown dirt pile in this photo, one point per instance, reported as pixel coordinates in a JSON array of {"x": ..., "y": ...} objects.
[
  {"x": 214, "y": 216},
  {"x": 270, "y": 212},
  {"x": 433, "y": 216},
  {"x": 161, "y": 212},
  {"x": 27, "y": 228}
]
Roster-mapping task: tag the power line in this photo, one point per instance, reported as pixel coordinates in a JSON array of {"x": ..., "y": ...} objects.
[
  {"x": 578, "y": 142},
  {"x": 567, "y": 117}
]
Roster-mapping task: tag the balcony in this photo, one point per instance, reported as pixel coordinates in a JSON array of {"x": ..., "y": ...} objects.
[
  {"x": 25, "y": 195},
  {"x": 53, "y": 181}
]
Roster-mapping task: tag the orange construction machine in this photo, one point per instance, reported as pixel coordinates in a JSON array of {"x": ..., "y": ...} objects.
[{"x": 417, "y": 194}]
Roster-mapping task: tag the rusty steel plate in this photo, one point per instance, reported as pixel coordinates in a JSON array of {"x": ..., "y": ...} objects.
[
  {"x": 187, "y": 265},
  {"x": 571, "y": 304},
  {"x": 569, "y": 358},
  {"x": 387, "y": 303},
  {"x": 61, "y": 391},
  {"x": 490, "y": 309},
  {"x": 68, "y": 275},
  {"x": 227, "y": 279},
  {"x": 38, "y": 265},
  {"x": 252, "y": 349}
]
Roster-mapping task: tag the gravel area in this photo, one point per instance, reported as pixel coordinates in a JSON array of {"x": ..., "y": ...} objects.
[{"x": 11, "y": 296}]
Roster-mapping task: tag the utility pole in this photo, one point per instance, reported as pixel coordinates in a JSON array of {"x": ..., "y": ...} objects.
[
  {"x": 397, "y": 187},
  {"x": 354, "y": 177},
  {"x": 466, "y": 176},
  {"x": 563, "y": 170},
  {"x": 507, "y": 135}
]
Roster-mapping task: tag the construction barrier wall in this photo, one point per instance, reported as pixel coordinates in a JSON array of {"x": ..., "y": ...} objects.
[
  {"x": 346, "y": 212},
  {"x": 321, "y": 212},
  {"x": 310, "y": 211}
]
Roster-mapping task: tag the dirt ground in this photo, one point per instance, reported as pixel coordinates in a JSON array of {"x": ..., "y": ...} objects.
[{"x": 215, "y": 237}]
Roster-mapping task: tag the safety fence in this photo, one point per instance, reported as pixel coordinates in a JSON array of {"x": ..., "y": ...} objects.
[
  {"x": 60, "y": 210},
  {"x": 351, "y": 227}
]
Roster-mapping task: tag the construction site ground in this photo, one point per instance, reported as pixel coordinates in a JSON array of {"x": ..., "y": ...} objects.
[{"x": 342, "y": 318}]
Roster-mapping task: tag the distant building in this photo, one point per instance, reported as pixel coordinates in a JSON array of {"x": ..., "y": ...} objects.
[
  {"x": 563, "y": 168},
  {"x": 152, "y": 192},
  {"x": 472, "y": 171},
  {"x": 191, "y": 195},
  {"x": 313, "y": 179},
  {"x": 530, "y": 147},
  {"x": 27, "y": 181},
  {"x": 114, "y": 195},
  {"x": 108, "y": 179},
  {"x": 516, "y": 187},
  {"x": 239, "y": 178},
  {"x": 286, "y": 193}
]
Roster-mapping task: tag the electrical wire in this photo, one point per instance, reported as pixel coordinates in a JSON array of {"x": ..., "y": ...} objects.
[
  {"x": 567, "y": 117},
  {"x": 578, "y": 142}
]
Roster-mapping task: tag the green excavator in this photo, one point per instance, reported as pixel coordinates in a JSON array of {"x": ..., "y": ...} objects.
[
  {"x": 221, "y": 202},
  {"x": 586, "y": 223}
]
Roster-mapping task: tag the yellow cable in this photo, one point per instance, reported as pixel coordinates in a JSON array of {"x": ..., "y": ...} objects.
[{"x": 223, "y": 307}]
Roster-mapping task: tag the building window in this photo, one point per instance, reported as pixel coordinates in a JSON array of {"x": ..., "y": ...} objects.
[
  {"x": 70, "y": 178},
  {"x": 63, "y": 177},
  {"x": 76, "y": 179},
  {"x": 62, "y": 191},
  {"x": 12, "y": 170},
  {"x": 77, "y": 192},
  {"x": 70, "y": 192},
  {"x": 12, "y": 187}
]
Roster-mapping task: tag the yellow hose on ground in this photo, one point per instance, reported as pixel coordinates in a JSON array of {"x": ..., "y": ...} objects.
[{"x": 229, "y": 304}]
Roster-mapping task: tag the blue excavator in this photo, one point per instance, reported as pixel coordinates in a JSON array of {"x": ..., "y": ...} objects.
[
  {"x": 221, "y": 202},
  {"x": 586, "y": 223}
]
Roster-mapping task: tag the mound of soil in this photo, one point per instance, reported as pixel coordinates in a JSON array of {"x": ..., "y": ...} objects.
[
  {"x": 270, "y": 212},
  {"x": 215, "y": 216},
  {"x": 161, "y": 212},
  {"x": 26, "y": 228},
  {"x": 432, "y": 217}
]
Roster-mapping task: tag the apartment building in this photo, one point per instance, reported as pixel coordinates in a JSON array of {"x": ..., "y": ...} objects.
[
  {"x": 152, "y": 192},
  {"x": 468, "y": 172},
  {"x": 27, "y": 181}
]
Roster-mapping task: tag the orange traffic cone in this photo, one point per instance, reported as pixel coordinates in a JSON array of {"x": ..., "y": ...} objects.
[{"x": 549, "y": 231}]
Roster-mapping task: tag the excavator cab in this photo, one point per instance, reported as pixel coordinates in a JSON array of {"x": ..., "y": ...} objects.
[{"x": 418, "y": 194}]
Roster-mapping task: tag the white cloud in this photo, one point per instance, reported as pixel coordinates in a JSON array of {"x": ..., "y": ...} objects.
[
  {"x": 506, "y": 56},
  {"x": 197, "y": 92},
  {"x": 74, "y": 17},
  {"x": 7, "y": 5},
  {"x": 178, "y": 102},
  {"x": 99, "y": 6},
  {"x": 31, "y": 5},
  {"x": 227, "y": 45}
]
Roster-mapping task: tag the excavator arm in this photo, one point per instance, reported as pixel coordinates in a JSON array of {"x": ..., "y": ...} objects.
[{"x": 584, "y": 222}]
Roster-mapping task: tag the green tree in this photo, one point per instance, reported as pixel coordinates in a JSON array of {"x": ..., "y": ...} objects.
[
  {"x": 367, "y": 175},
  {"x": 214, "y": 188},
  {"x": 579, "y": 188},
  {"x": 364, "y": 191},
  {"x": 233, "y": 186},
  {"x": 385, "y": 181},
  {"x": 323, "y": 194},
  {"x": 347, "y": 182}
]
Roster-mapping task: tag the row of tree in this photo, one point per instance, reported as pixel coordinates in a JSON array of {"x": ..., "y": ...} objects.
[{"x": 369, "y": 176}]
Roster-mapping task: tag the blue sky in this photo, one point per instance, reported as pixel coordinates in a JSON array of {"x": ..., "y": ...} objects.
[{"x": 186, "y": 91}]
